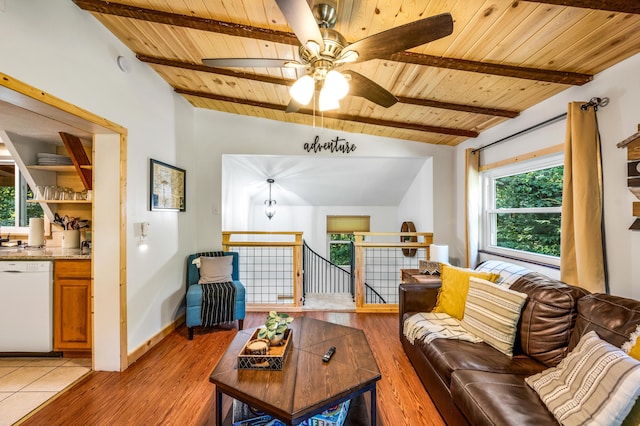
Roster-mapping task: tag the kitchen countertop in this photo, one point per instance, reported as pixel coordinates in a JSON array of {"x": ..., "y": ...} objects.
[{"x": 46, "y": 253}]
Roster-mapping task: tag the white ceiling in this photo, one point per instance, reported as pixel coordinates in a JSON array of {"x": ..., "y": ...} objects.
[
  {"x": 29, "y": 124},
  {"x": 321, "y": 181}
]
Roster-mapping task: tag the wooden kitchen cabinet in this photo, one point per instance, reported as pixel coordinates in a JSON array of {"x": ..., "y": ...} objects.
[{"x": 72, "y": 328}]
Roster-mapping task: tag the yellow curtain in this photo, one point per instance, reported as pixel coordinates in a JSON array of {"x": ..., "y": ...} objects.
[
  {"x": 472, "y": 206},
  {"x": 581, "y": 247}
]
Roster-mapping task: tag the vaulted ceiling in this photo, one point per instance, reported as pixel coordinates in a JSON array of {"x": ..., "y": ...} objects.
[{"x": 502, "y": 57}]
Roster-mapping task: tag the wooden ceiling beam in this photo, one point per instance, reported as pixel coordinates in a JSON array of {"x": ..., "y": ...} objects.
[
  {"x": 239, "y": 30},
  {"x": 550, "y": 76},
  {"x": 194, "y": 22},
  {"x": 337, "y": 116},
  {"x": 430, "y": 103},
  {"x": 623, "y": 6}
]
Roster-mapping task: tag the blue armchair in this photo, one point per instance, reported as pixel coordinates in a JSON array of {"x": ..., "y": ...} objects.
[{"x": 194, "y": 294}]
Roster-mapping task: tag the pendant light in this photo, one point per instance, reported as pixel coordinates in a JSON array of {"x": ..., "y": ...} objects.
[{"x": 270, "y": 210}]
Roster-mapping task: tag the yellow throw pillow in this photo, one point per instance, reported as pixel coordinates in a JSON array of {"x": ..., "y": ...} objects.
[
  {"x": 455, "y": 286},
  {"x": 635, "y": 350}
]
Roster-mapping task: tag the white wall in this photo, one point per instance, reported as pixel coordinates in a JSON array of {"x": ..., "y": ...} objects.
[
  {"x": 55, "y": 46},
  {"x": 417, "y": 204},
  {"x": 617, "y": 121},
  {"x": 220, "y": 133},
  {"x": 312, "y": 221}
]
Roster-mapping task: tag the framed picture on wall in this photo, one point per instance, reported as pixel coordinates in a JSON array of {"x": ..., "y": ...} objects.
[{"x": 167, "y": 187}]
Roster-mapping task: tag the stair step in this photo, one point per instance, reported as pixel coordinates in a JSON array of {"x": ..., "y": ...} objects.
[{"x": 329, "y": 302}]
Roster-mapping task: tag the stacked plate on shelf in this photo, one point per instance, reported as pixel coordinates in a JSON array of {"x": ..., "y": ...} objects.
[{"x": 46, "y": 159}]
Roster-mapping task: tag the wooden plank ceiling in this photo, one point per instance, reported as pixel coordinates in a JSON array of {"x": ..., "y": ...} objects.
[{"x": 503, "y": 57}]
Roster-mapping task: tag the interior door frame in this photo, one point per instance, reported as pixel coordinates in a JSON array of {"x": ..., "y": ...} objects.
[{"x": 35, "y": 100}]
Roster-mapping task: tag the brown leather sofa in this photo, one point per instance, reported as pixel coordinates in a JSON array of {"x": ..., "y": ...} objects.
[{"x": 472, "y": 383}]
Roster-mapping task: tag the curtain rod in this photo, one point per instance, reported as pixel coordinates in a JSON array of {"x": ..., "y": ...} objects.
[{"x": 593, "y": 102}]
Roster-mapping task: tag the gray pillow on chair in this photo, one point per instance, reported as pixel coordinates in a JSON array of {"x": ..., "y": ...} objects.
[{"x": 215, "y": 269}]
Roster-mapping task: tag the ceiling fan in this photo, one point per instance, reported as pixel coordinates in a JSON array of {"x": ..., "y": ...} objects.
[{"x": 324, "y": 49}]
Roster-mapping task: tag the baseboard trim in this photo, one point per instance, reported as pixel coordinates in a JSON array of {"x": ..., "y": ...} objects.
[
  {"x": 146, "y": 347},
  {"x": 258, "y": 307}
]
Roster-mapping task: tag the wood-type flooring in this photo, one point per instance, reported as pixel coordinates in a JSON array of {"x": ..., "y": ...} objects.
[{"x": 170, "y": 385}]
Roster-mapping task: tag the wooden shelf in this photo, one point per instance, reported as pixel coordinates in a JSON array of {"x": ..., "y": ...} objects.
[
  {"x": 60, "y": 201},
  {"x": 71, "y": 168}
]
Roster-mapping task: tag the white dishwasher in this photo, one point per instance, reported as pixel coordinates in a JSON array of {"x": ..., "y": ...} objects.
[{"x": 26, "y": 306}]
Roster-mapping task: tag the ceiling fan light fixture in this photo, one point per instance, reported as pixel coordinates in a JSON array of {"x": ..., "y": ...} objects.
[
  {"x": 327, "y": 100},
  {"x": 336, "y": 84},
  {"x": 302, "y": 90}
]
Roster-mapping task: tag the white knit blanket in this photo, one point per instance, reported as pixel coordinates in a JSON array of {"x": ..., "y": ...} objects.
[{"x": 428, "y": 326}]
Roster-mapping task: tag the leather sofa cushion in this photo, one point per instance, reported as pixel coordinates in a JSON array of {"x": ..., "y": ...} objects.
[
  {"x": 613, "y": 318},
  {"x": 447, "y": 356},
  {"x": 498, "y": 399},
  {"x": 547, "y": 318}
]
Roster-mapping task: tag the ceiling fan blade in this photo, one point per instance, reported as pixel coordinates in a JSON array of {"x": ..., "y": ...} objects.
[
  {"x": 384, "y": 44},
  {"x": 366, "y": 88},
  {"x": 248, "y": 62},
  {"x": 300, "y": 19}
]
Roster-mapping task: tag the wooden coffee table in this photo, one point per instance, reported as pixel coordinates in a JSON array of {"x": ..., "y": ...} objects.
[{"x": 306, "y": 386}]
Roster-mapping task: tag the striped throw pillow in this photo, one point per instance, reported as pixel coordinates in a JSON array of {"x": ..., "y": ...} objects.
[
  {"x": 492, "y": 313},
  {"x": 455, "y": 285},
  {"x": 597, "y": 383}
]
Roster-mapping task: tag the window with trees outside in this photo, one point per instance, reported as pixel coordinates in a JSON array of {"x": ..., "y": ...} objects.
[
  {"x": 522, "y": 209},
  {"x": 340, "y": 235},
  {"x": 14, "y": 193},
  {"x": 340, "y": 249}
]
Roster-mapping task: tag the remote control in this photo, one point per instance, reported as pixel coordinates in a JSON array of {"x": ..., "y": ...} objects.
[{"x": 329, "y": 354}]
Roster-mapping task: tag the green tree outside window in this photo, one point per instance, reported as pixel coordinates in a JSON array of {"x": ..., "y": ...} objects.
[
  {"x": 340, "y": 248},
  {"x": 520, "y": 220}
]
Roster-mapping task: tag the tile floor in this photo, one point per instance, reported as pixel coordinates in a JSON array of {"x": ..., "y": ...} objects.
[{"x": 26, "y": 383}]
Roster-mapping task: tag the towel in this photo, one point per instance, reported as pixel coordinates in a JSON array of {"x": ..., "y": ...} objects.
[
  {"x": 218, "y": 303},
  {"x": 428, "y": 326}
]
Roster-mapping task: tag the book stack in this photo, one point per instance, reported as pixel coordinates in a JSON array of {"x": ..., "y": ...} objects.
[{"x": 243, "y": 415}]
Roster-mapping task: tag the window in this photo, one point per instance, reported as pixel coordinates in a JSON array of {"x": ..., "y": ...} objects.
[
  {"x": 14, "y": 193},
  {"x": 522, "y": 209},
  {"x": 340, "y": 249},
  {"x": 340, "y": 231}
]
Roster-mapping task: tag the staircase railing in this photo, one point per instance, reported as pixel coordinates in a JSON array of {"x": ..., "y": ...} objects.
[
  {"x": 320, "y": 275},
  {"x": 271, "y": 268}
]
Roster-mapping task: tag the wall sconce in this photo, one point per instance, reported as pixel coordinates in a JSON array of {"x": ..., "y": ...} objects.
[
  {"x": 270, "y": 210},
  {"x": 144, "y": 231}
]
